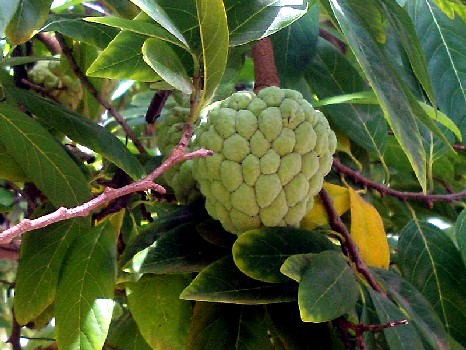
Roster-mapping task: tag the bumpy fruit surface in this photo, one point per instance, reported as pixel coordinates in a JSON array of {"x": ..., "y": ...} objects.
[
  {"x": 58, "y": 80},
  {"x": 179, "y": 177},
  {"x": 271, "y": 153}
]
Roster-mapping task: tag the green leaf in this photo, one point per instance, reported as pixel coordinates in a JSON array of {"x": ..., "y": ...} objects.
[
  {"x": 151, "y": 29},
  {"x": 222, "y": 282},
  {"x": 158, "y": 14},
  {"x": 404, "y": 27},
  {"x": 331, "y": 74},
  {"x": 124, "y": 334},
  {"x": 179, "y": 250},
  {"x": 327, "y": 280},
  {"x": 81, "y": 130},
  {"x": 29, "y": 16},
  {"x": 75, "y": 27},
  {"x": 417, "y": 309},
  {"x": 229, "y": 327},
  {"x": 10, "y": 170},
  {"x": 153, "y": 231},
  {"x": 214, "y": 36},
  {"x": 400, "y": 106},
  {"x": 427, "y": 258},
  {"x": 442, "y": 119},
  {"x": 162, "y": 318},
  {"x": 166, "y": 63},
  {"x": 16, "y": 61},
  {"x": 442, "y": 40},
  {"x": 251, "y": 20},
  {"x": 42, "y": 158},
  {"x": 260, "y": 253},
  {"x": 8, "y": 10},
  {"x": 399, "y": 337},
  {"x": 460, "y": 234},
  {"x": 295, "y": 46},
  {"x": 39, "y": 269},
  {"x": 122, "y": 59},
  {"x": 84, "y": 301}
]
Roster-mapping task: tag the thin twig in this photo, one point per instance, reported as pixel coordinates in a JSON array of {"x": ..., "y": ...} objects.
[
  {"x": 156, "y": 105},
  {"x": 50, "y": 42},
  {"x": 351, "y": 247},
  {"x": 384, "y": 190},
  {"x": 109, "y": 194},
  {"x": 15, "y": 337},
  {"x": 459, "y": 147},
  {"x": 88, "y": 85}
]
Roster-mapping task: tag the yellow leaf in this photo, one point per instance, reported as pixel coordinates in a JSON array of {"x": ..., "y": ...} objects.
[
  {"x": 368, "y": 232},
  {"x": 317, "y": 216},
  {"x": 344, "y": 145}
]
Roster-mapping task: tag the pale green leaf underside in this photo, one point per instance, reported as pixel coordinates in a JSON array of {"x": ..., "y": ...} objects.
[{"x": 84, "y": 302}]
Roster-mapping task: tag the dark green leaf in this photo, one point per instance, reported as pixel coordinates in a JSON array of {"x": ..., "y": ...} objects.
[
  {"x": 229, "y": 327},
  {"x": 427, "y": 259},
  {"x": 179, "y": 250},
  {"x": 460, "y": 230},
  {"x": 214, "y": 36},
  {"x": 81, "y": 130},
  {"x": 417, "y": 309},
  {"x": 10, "y": 170},
  {"x": 331, "y": 74},
  {"x": 295, "y": 46},
  {"x": 399, "y": 337},
  {"x": 75, "y": 27},
  {"x": 162, "y": 318},
  {"x": 442, "y": 39},
  {"x": 124, "y": 334},
  {"x": 84, "y": 301},
  {"x": 166, "y": 63},
  {"x": 399, "y": 104},
  {"x": 153, "y": 231},
  {"x": 151, "y": 29},
  {"x": 42, "y": 158},
  {"x": 251, "y": 20},
  {"x": 260, "y": 253},
  {"x": 404, "y": 27},
  {"x": 16, "y": 61},
  {"x": 39, "y": 270},
  {"x": 295, "y": 266},
  {"x": 222, "y": 282},
  {"x": 29, "y": 16},
  {"x": 8, "y": 10},
  {"x": 328, "y": 280},
  {"x": 122, "y": 59}
]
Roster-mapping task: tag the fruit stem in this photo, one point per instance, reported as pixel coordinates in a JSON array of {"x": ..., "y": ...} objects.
[{"x": 265, "y": 70}]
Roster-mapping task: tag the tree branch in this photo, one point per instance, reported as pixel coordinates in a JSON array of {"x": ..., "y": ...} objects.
[
  {"x": 351, "y": 247},
  {"x": 429, "y": 199},
  {"x": 109, "y": 194},
  {"x": 265, "y": 70},
  {"x": 88, "y": 85}
]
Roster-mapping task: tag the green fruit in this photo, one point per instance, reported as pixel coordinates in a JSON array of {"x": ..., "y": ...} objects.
[
  {"x": 179, "y": 177},
  {"x": 271, "y": 153}
]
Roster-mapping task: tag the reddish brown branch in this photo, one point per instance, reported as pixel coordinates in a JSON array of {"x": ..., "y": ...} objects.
[
  {"x": 91, "y": 88},
  {"x": 265, "y": 70},
  {"x": 178, "y": 155},
  {"x": 459, "y": 147},
  {"x": 156, "y": 105},
  {"x": 348, "y": 242},
  {"x": 384, "y": 190},
  {"x": 50, "y": 42}
]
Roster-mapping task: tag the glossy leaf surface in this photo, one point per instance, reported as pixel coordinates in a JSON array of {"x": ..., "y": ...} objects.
[
  {"x": 327, "y": 280},
  {"x": 260, "y": 253},
  {"x": 223, "y": 282}
]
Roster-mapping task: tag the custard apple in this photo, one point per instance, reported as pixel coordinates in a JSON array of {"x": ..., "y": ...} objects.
[
  {"x": 58, "y": 80},
  {"x": 179, "y": 177},
  {"x": 271, "y": 153}
]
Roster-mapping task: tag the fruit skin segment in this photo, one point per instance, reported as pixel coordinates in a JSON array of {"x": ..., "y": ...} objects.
[{"x": 271, "y": 153}]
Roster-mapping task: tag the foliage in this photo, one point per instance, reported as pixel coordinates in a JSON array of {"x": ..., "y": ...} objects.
[{"x": 129, "y": 266}]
